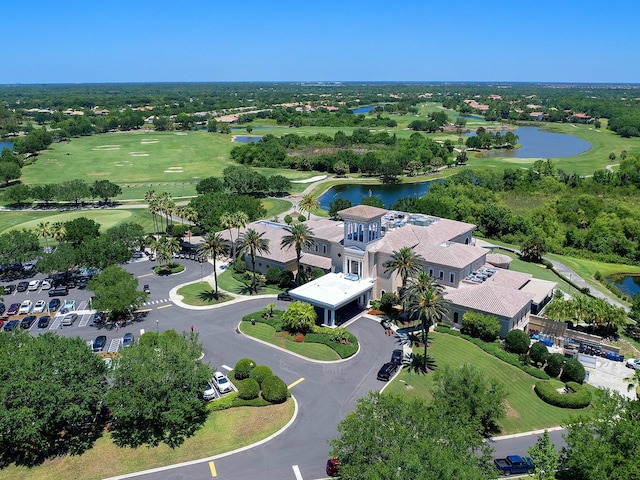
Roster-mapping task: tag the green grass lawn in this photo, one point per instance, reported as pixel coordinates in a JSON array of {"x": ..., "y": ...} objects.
[
  {"x": 201, "y": 294},
  {"x": 315, "y": 351},
  {"x": 223, "y": 431},
  {"x": 228, "y": 283},
  {"x": 525, "y": 411},
  {"x": 275, "y": 207}
]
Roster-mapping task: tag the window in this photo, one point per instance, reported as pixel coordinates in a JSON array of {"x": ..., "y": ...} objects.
[
  {"x": 316, "y": 247},
  {"x": 431, "y": 272},
  {"x": 456, "y": 317},
  {"x": 452, "y": 277},
  {"x": 324, "y": 249},
  {"x": 466, "y": 241},
  {"x": 441, "y": 275}
]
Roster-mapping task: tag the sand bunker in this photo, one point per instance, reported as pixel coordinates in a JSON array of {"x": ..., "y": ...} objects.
[
  {"x": 310, "y": 180},
  {"x": 174, "y": 170}
]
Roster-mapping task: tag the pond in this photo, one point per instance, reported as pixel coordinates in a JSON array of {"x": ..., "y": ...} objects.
[
  {"x": 537, "y": 143},
  {"x": 629, "y": 284},
  {"x": 247, "y": 138},
  {"x": 366, "y": 109},
  {"x": 4, "y": 144},
  {"x": 389, "y": 194}
]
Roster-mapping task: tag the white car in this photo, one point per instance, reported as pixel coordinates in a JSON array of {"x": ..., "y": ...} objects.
[
  {"x": 46, "y": 284},
  {"x": 25, "y": 307},
  {"x": 634, "y": 363},
  {"x": 208, "y": 393},
  {"x": 39, "y": 307},
  {"x": 221, "y": 382},
  {"x": 34, "y": 285}
]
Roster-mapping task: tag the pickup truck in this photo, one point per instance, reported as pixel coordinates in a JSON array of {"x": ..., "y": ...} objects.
[{"x": 514, "y": 464}]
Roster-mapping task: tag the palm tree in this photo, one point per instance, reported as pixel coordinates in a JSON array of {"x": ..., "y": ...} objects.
[
  {"x": 152, "y": 242},
  {"x": 423, "y": 300},
  {"x": 59, "y": 232},
  {"x": 404, "y": 262},
  {"x": 307, "y": 203},
  {"x": 253, "y": 242},
  {"x": 240, "y": 220},
  {"x": 214, "y": 246},
  {"x": 166, "y": 247},
  {"x": 44, "y": 230},
  {"x": 190, "y": 214},
  {"x": 634, "y": 383},
  {"x": 226, "y": 222},
  {"x": 152, "y": 205},
  {"x": 301, "y": 237}
]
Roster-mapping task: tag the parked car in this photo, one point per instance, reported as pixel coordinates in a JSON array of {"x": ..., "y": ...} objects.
[
  {"x": 59, "y": 291},
  {"x": 2, "y": 308},
  {"x": 285, "y": 296},
  {"x": 387, "y": 371},
  {"x": 9, "y": 289},
  {"x": 222, "y": 383},
  {"x": 633, "y": 363},
  {"x": 43, "y": 322},
  {"x": 82, "y": 283},
  {"x": 13, "y": 309},
  {"x": 11, "y": 325},
  {"x": 34, "y": 285},
  {"x": 22, "y": 286},
  {"x": 54, "y": 304},
  {"x": 25, "y": 307},
  {"x": 39, "y": 306},
  {"x": 127, "y": 340},
  {"x": 46, "y": 284},
  {"x": 333, "y": 467},
  {"x": 69, "y": 305},
  {"x": 397, "y": 357},
  {"x": 514, "y": 464},
  {"x": 69, "y": 319},
  {"x": 27, "y": 321},
  {"x": 208, "y": 392},
  {"x": 99, "y": 343},
  {"x": 146, "y": 289}
]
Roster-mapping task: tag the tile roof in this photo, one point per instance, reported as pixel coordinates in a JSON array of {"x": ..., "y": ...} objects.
[
  {"x": 509, "y": 279},
  {"x": 451, "y": 254},
  {"x": 362, "y": 212},
  {"x": 491, "y": 299}
]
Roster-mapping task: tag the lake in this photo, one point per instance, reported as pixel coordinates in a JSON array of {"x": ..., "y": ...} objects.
[
  {"x": 389, "y": 194},
  {"x": 366, "y": 109},
  {"x": 629, "y": 284},
  {"x": 539, "y": 144},
  {"x": 247, "y": 138},
  {"x": 4, "y": 144}
]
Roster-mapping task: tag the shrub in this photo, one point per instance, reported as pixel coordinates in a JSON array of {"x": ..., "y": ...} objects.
[
  {"x": 196, "y": 230},
  {"x": 178, "y": 231},
  {"x": 478, "y": 325},
  {"x": 388, "y": 301},
  {"x": 288, "y": 219},
  {"x": 261, "y": 372},
  {"x": 299, "y": 337},
  {"x": 274, "y": 390},
  {"x": 539, "y": 353},
  {"x": 239, "y": 266},
  {"x": 254, "y": 402},
  {"x": 573, "y": 371},
  {"x": 285, "y": 279},
  {"x": 517, "y": 341},
  {"x": 273, "y": 275},
  {"x": 345, "y": 350},
  {"x": 248, "y": 389},
  {"x": 222, "y": 403},
  {"x": 554, "y": 364},
  {"x": 300, "y": 317},
  {"x": 243, "y": 368},
  {"x": 302, "y": 218},
  {"x": 580, "y": 398}
]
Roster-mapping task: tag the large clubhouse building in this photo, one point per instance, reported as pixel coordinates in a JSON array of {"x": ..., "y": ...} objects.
[{"x": 353, "y": 251}]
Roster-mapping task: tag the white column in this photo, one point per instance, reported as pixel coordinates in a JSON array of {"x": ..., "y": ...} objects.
[
  {"x": 326, "y": 316},
  {"x": 333, "y": 319}
]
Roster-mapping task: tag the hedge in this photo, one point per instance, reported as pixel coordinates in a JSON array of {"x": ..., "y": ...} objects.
[
  {"x": 494, "y": 349},
  {"x": 573, "y": 371},
  {"x": 248, "y": 389},
  {"x": 222, "y": 403},
  {"x": 254, "y": 402},
  {"x": 580, "y": 398},
  {"x": 341, "y": 349},
  {"x": 243, "y": 368},
  {"x": 274, "y": 390},
  {"x": 261, "y": 372}
]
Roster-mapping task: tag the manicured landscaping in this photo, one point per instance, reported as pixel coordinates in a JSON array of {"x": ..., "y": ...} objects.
[
  {"x": 223, "y": 431},
  {"x": 525, "y": 411},
  {"x": 169, "y": 269},
  {"x": 201, "y": 294},
  {"x": 227, "y": 282}
]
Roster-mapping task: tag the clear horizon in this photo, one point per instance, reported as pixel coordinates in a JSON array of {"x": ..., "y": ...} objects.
[{"x": 286, "y": 41}]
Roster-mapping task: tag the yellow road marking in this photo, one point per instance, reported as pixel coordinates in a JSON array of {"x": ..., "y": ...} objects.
[
  {"x": 295, "y": 383},
  {"x": 165, "y": 306},
  {"x": 145, "y": 275},
  {"x": 212, "y": 467},
  {"x": 143, "y": 310}
]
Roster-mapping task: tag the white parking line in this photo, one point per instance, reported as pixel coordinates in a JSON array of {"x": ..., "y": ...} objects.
[
  {"x": 296, "y": 472},
  {"x": 228, "y": 369}
]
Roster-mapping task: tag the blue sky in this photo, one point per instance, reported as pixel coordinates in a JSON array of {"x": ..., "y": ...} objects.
[{"x": 281, "y": 40}]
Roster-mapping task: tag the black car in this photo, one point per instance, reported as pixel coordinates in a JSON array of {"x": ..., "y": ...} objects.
[
  {"x": 82, "y": 283},
  {"x": 397, "y": 356},
  {"x": 99, "y": 343},
  {"x": 28, "y": 321},
  {"x": 10, "y": 325},
  {"x": 22, "y": 286},
  {"x": 285, "y": 296},
  {"x": 54, "y": 304},
  {"x": 387, "y": 371},
  {"x": 2, "y": 308},
  {"x": 59, "y": 292},
  {"x": 146, "y": 289},
  {"x": 9, "y": 289},
  {"x": 43, "y": 322}
]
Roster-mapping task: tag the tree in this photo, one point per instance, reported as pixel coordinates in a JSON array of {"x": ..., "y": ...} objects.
[
  {"x": 115, "y": 291},
  {"x": 539, "y": 353},
  {"x": 300, "y": 317},
  {"x": 308, "y": 203},
  {"x": 424, "y": 300},
  {"x": 18, "y": 193},
  {"x": 214, "y": 246},
  {"x": 129, "y": 234},
  {"x": 467, "y": 396},
  {"x": 301, "y": 237},
  {"x": 534, "y": 247},
  {"x": 604, "y": 443},
  {"x": 80, "y": 230},
  {"x": 209, "y": 185},
  {"x": 372, "y": 201},
  {"x": 405, "y": 263},
  {"x": 517, "y": 341},
  {"x": 341, "y": 168},
  {"x": 17, "y": 246},
  {"x": 387, "y": 437},
  {"x": 479, "y": 325},
  {"x": 545, "y": 457},
  {"x": 59, "y": 231},
  {"x": 45, "y": 193},
  {"x": 165, "y": 248},
  {"x": 573, "y": 371},
  {"x": 73, "y": 191},
  {"x": 337, "y": 205},
  {"x": 156, "y": 395},
  {"x": 104, "y": 189},
  {"x": 9, "y": 171},
  {"x": 69, "y": 380},
  {"x": 390, "y": 171},
  {"x": 151, "y": 197},
  {"x": 102, "y": 252},
  {"x": 252, "y": 242},
  {"x": 634, "y": 383},
  {"x": 43, "y": 229}
]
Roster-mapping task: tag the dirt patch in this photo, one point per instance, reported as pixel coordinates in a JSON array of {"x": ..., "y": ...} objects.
[{"x": 510, "y": 412}]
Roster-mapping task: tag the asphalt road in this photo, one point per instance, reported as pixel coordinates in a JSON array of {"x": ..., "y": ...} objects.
[{"x": 325, "y": 392}]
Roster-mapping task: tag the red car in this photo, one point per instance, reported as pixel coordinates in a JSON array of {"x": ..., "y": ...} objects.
[
  {"x": 13, "y": 309},
  {"x": 333, "y": 467}
]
